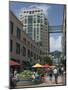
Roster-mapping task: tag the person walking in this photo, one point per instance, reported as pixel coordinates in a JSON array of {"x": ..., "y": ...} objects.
[
  {"x": 33, "y": 76},
  {"x": 11, "y": 81},
  {"x": 36, "y": 75},
  {"x": 62, "y": 74},
  {"x": 15, "y": 78},
  {"x": 62, "y": 70},
  {"x": 15, "y": 72},
  {"x": 55, "y": 71},
  {"x": 50, "y": 74}
]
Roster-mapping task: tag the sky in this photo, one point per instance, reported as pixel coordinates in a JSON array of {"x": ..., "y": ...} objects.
[{"x": 54, "y": 13}]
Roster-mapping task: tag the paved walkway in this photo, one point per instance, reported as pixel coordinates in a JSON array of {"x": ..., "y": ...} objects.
[{"x": 46, "y": 83}]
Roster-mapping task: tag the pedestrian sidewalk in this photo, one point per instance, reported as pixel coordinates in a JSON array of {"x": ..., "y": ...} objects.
[
  {"x": 46, "y": 83},
  {"x": 53, "y": 80}
]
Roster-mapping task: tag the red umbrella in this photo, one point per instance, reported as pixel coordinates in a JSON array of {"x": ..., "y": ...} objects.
[
  {"x": 13, "y": 63},
  {"x": 46, "y": 66}
]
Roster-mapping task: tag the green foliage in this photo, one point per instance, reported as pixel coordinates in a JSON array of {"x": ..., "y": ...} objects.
[
  {"x": 63, "y": 62},
  {"x": 48, "y": 60},
  {"x": 25, "y": 75}
]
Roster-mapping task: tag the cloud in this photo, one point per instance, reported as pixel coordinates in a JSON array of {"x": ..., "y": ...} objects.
[
  {"x": 55, "y": 44},
  {"x": 45, "y": 8}
]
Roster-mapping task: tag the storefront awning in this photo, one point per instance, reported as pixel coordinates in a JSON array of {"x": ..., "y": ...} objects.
[{"x": 13, "y": 63}]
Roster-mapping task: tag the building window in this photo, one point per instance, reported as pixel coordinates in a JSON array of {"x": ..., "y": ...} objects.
[
  {"x": 28, "y": 53},
  {"x": 45, "y": 22},
  {"x": 17, "y": 48},
  {"x": 41, "y": 13},
  {"x": 30, "y": 18},
  {"x": 24, "y": 51},
  {"x": 11, "y": 27},
  {"x": 24, "y": 40},
  {"x": 30, "y": 26},
  {"x": 11, "y": 45},
  {"x": 37, "y": 30},
  {"x": 28, "y": 43},
  {"x": 38, "y": 19},
  {"x": 31, "y": 54},
  {"x": 34, "y": 33},
  {"x": 25, "y": 20},
  {"x": 34, "y": 19},
  {"x": 30, "y": 12},
  {"x": 30, "y": 29},
  {"x": 34, "y": 56},
  {"x": 41, "y": 20},
  {"x": 31, "y": 46},
  {"x": 24, "y": 11},
  {"x": 30, "y": 34},
  {"x": 40, "y": 43},
  {"x": 37, "y": 57},
  {"x": 36, "y": 11},
  {"x": 40, "y": 52},
  {"x": 37, "y": 37},
  {"x": 18, "y": 33}
]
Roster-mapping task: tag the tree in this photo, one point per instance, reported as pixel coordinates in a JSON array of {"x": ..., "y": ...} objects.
[{"x": 48, "y": 60}]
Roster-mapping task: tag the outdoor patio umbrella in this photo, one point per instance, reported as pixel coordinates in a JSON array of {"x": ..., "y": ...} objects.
[
  {"x": 37, "y": 65},
  {"x": 46, "y": 66},
  {"x": 52, "y": 66}
]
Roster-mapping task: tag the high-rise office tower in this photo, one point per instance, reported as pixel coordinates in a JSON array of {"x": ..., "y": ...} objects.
[{"x": 35, "y": 24}]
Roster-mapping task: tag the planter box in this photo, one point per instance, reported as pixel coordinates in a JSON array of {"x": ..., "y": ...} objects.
[
  {"x": 25, "y": 82},
  {"x": 28, "y": 82}
]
